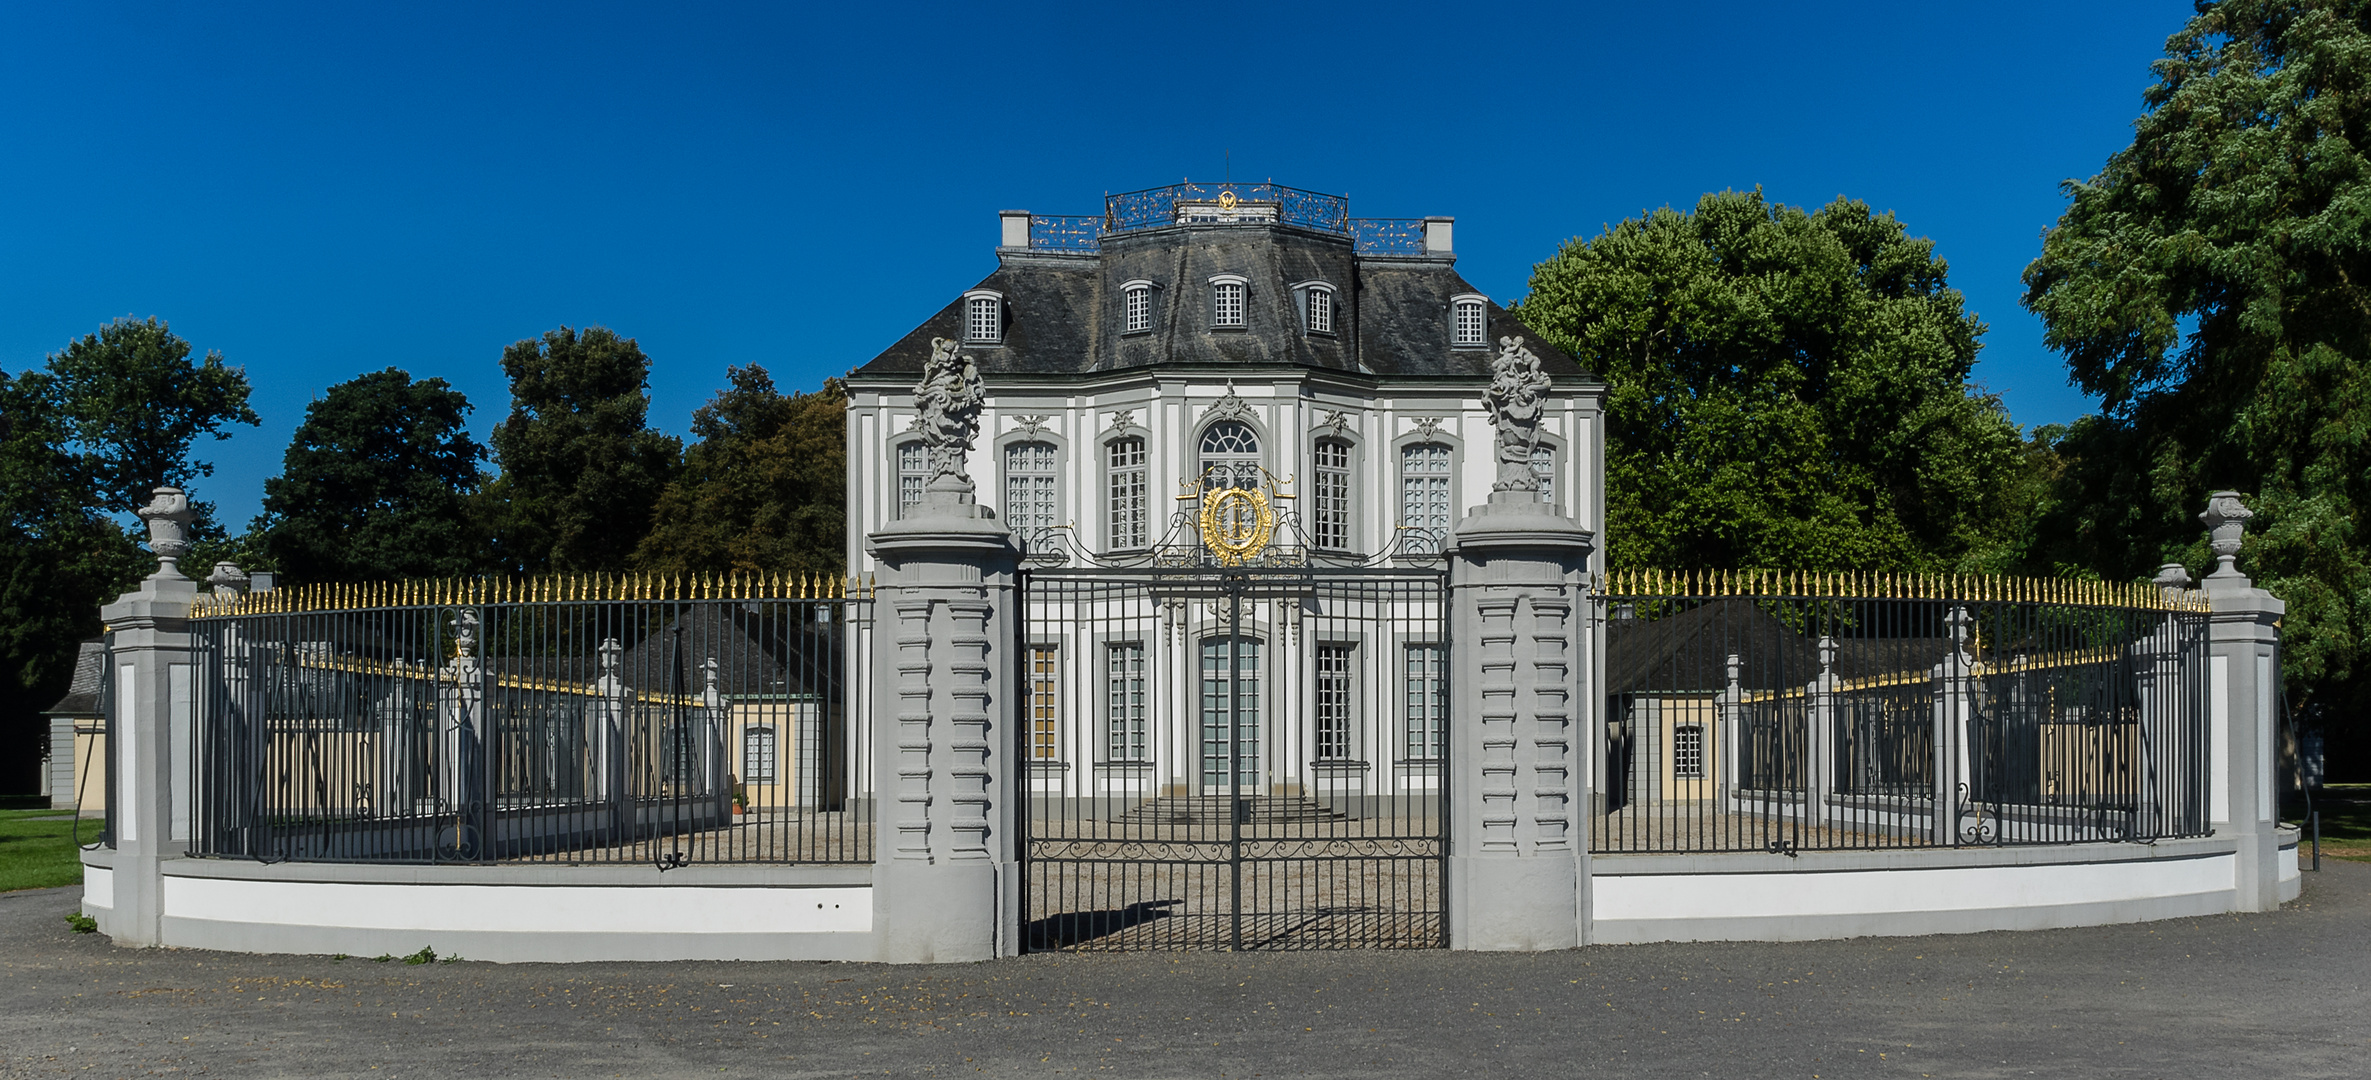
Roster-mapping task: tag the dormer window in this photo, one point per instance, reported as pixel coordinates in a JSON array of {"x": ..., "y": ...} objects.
[
  {"x": 1467, "y": 322},
  {"x": 1315, "y": 299},
  {"x": 983, "y": 317},
  {"x": 1226, "y": 301},
  {"x": 1136, "y": 302}
]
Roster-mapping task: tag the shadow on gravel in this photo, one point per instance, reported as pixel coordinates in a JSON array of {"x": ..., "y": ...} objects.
[{"x": 1077, "y": 927}]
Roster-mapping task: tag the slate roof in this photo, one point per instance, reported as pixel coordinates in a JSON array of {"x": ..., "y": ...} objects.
[
  {"x": 1063, "y": 311},
  {"x": 1688, "y": 652},
  {"x": 82, "y": 693}
]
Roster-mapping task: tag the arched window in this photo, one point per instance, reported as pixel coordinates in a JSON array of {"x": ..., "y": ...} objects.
[
  {"x": 1331, "y": 520},
  {"x": 983, "y": 317},
  {"x": 1467, "y": 321},
  {"x": 1137, "y": 304},
  {"x": 913, "y": 471},
  {"x": 1230, "y": 454},
  {"x": 1029, "y": 485},
  {"x": 1226, "y": 301},
  {"x": 1424, "y": 496},
  {"x": 1127, "y": 492}
]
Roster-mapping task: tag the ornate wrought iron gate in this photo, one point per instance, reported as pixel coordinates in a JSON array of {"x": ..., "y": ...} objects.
[{"x": 1235, "y": 757}]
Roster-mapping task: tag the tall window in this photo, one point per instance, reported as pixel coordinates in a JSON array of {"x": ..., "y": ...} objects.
[
  {"x": 1543, "y": 466},
  {"x": 1029, "y": 485},
  {"x": 985, "y": 319},
  {"x": 1424, "y": 496},
  {"x": 1138, "y": 301},
  {"x": 1125, "y": 488},
  {"x": 1124, "y": 713},
  {"x": 1427, "y": 703},
  {"x": 1466, "y": 323},
  {"x": 1333, "y": 701},
  {"x": 1231, "y": 454},
  {"x": 1332, "y": 518},
  {"x": 913, "y": 471},
  {"x": 1230, "y": 722},
  {"x": 1044, "y": 700},
  {"x": 1226, "y": 303},
  {"x": 1320, "y": 311},
  {"x": 759, "y": 752},
  {"x": 1687, "y": 752}
]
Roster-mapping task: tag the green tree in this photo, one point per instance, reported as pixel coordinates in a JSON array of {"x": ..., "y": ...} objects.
[
  {"x": 765, "y": 487},
  {"x": 135, "y": 405},
  {"x": 580, "y": 471},
  {"x": 376, "y": 484},
  {"x": 1784, "y": 389},
  {"x": 2210, "y": 286},
  {"x": 59, "y": 560}
]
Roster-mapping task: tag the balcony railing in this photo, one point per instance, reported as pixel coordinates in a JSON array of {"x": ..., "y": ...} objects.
[{"x": 1224, "y": 203}]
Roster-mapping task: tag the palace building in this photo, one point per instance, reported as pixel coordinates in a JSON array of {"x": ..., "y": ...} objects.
[{"x": 1246, "y": 335}]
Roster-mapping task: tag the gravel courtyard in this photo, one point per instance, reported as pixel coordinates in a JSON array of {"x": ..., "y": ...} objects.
[{"x": 2278, "y": 994}]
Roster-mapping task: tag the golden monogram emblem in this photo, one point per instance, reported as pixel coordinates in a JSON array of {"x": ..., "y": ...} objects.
[
  {"x": 1237, "y": 523},
  {"x": 1226, "y": 200}
]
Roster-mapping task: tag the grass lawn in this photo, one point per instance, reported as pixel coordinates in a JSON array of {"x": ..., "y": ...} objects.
[
  {"x": 40, "y": 854},
  {"x": 2346, "y": 823}
]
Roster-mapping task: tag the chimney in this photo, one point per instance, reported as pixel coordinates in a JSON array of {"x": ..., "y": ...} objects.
[
  {"x": 1016, "y": 228},
  {"x": 1436, "y": 235}
]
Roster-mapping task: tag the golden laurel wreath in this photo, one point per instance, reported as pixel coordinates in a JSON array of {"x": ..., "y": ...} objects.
[{"x": 1236, "y": 536}]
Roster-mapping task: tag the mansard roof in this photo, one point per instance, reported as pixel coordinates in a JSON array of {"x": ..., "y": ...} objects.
[{"x": 1063, "y": 304}]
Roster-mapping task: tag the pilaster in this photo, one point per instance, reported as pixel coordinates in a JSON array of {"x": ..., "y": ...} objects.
[{"x": 1519, "y": 844}]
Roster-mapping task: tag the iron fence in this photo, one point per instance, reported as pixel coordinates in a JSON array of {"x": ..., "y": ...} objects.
[
  {"x": 598, "y": 720},
  {"x": 1798, "y": 712}
]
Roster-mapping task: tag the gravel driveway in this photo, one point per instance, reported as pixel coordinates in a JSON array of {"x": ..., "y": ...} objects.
[{"x": 2281, "y": 994}]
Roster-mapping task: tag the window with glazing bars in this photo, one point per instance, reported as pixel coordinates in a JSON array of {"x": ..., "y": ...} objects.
[
  {"x": 1687, "y": 752},
  {"x": 1321, "y": 311},
  {"x": 1332, "y": 508},
  {"x": 1126, "y": 489},
  {"x": 1467, "y": 323},
  {"x": 1226, "y": 304},
  {"x": 1125, "y": 712},
  {"x": 1230, "y": 455},
  {"x": 913, "y": 471},
  {"x": 1424, "y": 496},
  {"x": 1139, "y": 302},
  {"x": 758, "y": 753},
  {"x": 1333, "y": 701},
  {"x": 1029, "y": 485},
  {"x": 1044, "y": 700},
  {"x": 1427, "y": 703},
  {"x": 987, "y": 320},
  {"x": 1543, "y": 466}
]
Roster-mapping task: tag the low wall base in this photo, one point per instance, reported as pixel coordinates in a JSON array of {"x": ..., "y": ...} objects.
[
  {"x": 1757, "y": 897},
  {"x": 511, "y": 914}
]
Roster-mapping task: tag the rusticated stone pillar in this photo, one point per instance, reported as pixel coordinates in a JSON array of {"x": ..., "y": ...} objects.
[
  {"x": 1519, "y": 843},
  {"x": 946, "y": 876}
]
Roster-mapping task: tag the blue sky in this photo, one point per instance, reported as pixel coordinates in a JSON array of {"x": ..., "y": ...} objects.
[{"x": 326, "y": 189}]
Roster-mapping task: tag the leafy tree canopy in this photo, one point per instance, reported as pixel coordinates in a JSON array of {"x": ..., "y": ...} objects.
[
  {"x": 765, "y": 487},
  {"x": 134, "y": 404},
  {"x": 1784, "y": 389},
  {"x": 580, "y": 471},
  {"x": 376, "y": 484},
  {"x": 2210, "y": 285}
]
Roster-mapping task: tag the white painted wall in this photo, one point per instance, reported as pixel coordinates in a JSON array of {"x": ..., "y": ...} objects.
[{"x": 522, "y": 909}]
